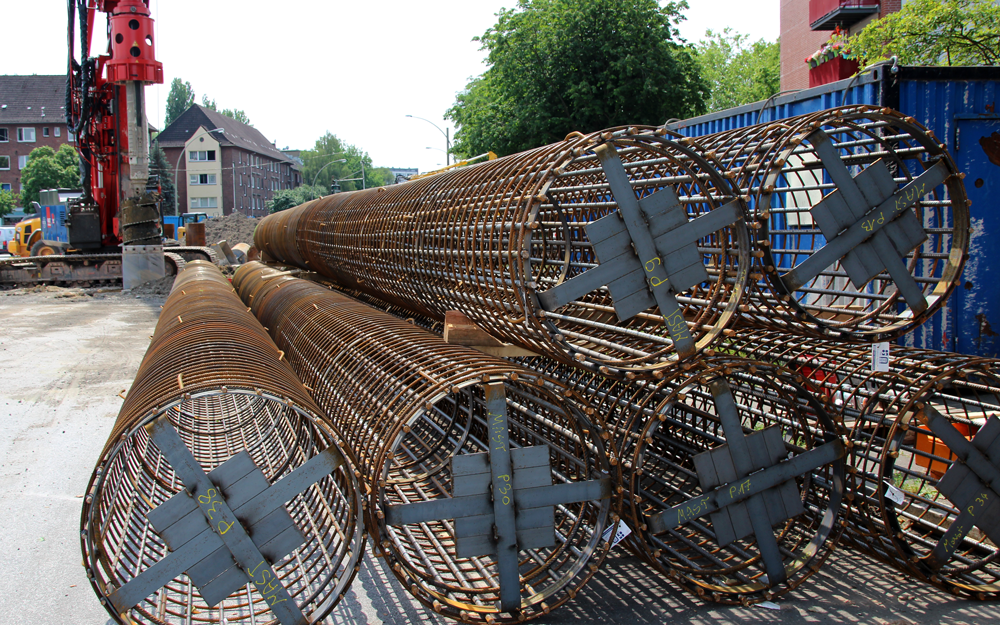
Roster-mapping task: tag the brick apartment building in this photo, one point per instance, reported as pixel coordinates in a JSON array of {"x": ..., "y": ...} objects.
[
  {"x": 806, "y": 25},
  {"x": 32, "y": 114},
  {"x": 223, "y": 165}
]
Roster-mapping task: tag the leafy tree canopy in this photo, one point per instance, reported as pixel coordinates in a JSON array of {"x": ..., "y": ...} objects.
[
  {"x": 934, "y": 32},
  {"x": 181, "y": 96},
  {"x": 290, "y": 198},
  {"x": 8, "y": 202},
  {"x": 556, "y": 66},
  {"x": 48, "y": 169},
  {"x": 738, "y": 71},
  {"x": 319, "y": 165}
]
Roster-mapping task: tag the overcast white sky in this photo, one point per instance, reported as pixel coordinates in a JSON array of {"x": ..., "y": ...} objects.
[{"x": 301, "y": 68}]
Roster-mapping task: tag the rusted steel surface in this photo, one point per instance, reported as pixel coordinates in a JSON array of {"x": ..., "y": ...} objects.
[
  {"x": 922, "y": 452},
  {"x": 417, "y": 412},
  {"x": 622, "y": 251},
  {"x": 860, "y": 220},
  {"x": 703, "y": 532},
  {"x": 162, "y": 523},
  {"x": 660, "y": 471}
]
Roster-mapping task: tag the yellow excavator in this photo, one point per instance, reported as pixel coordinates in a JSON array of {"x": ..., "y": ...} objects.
[{"x": 27, "y": 236}]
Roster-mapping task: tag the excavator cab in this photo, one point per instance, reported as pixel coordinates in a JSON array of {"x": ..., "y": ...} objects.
[{"x": 26, "y": 234}]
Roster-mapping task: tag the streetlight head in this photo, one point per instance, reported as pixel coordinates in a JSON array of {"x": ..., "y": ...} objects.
[{"x": 409, "y": 115}]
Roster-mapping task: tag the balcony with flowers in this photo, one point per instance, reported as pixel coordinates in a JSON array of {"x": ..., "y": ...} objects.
[{"x": 833, "y": 61}]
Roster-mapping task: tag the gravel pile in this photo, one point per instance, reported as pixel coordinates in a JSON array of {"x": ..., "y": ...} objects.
[
  {"x": 234, "y": 228},
  {"x": 156, "y": 288}
]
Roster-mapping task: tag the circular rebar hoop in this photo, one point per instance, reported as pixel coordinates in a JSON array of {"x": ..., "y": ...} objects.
[
  {"x": 861, "y": 221},
  {"x": 519, "y": 246},
  {"x": 899, "y": 460},
  {"x": 213, "y": 374},
  {"x": 409, "y": 406},
  {"x": 661, "y": 428}
]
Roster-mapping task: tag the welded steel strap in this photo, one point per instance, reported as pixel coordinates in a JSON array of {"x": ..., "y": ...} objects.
[
  {"x": 503, "y": 498},
  {"x": 739, "y": 451},
  {"x": 867, "y": 224},
  {"x": 972, "y": 483},
  {"x": 258, "y": 507}
]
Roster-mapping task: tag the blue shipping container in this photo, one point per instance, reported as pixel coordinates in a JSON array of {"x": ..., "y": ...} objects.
[{"x": 958, "y": 104}]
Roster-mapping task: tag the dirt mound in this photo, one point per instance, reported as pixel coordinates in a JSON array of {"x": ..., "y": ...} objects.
[
  {"x": 234, "y": 228},
  {"x": 156, "y": 288}
]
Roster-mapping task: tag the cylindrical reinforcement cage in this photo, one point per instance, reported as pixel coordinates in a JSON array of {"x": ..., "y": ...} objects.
[
  {"x": 622, "y": 250},
  {"x": 925, "y": 457},
  {"x": 734, "y": 473},
  {"x": 488, "y": 490},
  {"x": 860, "y": 220},
  {"x": 221, "y": 496}
]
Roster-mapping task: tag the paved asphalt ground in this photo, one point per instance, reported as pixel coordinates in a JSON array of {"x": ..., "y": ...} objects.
[{"x": 67, "y": 358}]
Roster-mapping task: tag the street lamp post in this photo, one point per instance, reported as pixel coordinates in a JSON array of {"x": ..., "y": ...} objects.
[
  {"x": 316, "y": 177},
  {"x": 447, "y": 139},
  {"x": 178, "y": 165}
]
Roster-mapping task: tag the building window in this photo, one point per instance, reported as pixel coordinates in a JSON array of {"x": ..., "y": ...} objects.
[
  {"x": 22, "y": 161},
  {"x": 4, "y": 162},
  {"x": 204, "y": 202},
  {"x": 3, "y": 135},
  {"x": 5, "y": 186},
  {"x": 201, "y": 155},
  {"x": 45, "y": 132},
  {"x": 57, "y": 131},
  {"x": 71, "y": 136},
  {"x": 199, "y": 179},
  {"x": 26, "y": 135}
]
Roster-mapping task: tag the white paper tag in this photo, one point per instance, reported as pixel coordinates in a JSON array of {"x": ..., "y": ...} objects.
[
  {"x": 770, "y": 605},
  {"x": 894, "y": 495},
  {"x": 880, "y": 357},
  {"x": 623, "y": 531}
]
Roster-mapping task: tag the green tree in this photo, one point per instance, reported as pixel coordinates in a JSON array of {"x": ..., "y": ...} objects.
[
  {"x": 8, "y": 202},
  {"x": 290, "y": 198},
  {"x": 159, "y": 165},
  {"x": 48, "y": 169},
  {"x": 934, "y": 32},
  {"x": 556, "y": 66},
  {"x": 181, "y": 96},
  {"x": 736, "y": 70},
  {"x": 320, "y": 164}
]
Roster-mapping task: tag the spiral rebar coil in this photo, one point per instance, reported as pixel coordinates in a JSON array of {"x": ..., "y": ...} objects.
[
  {"x": 858, "y": 176},
  {"x": 213, "y": 373},
  {"x": 898, "y": 462},
  {"x": 409, "y": 405},
  {"x": 659, "y": 430},
  {"x": 515, "y": 243}
]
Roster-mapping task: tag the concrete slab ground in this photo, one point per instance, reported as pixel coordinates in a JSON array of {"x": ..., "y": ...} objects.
[{"x": 68, "y": 356}]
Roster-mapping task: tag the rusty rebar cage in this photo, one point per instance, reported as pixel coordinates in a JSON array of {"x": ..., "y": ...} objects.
[
  {"x": 672, "y": 436},
  {"x": 213, "y": 381},
  {"x": 860, "y": 216},
  {"x": 910, "y": 427},
  {"x": 414, "y": 410},
  {"x": 622, "y": 251}
]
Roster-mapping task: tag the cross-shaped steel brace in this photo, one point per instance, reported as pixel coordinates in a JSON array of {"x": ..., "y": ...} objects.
[
  {"x": 504, "y": 504},
  {"x": 749, "y": 484},
  {"x": 972, "y": 482},
  {"x": 867, "y": 224},
  {"x": 648, "y": 252},
  {"x": 226, "y": 528}
]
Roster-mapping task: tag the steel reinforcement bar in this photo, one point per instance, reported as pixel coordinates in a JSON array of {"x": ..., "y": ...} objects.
[
  {"x": 622, "y": 251},
  {"x": 222, "y": 495},
  {"x": 925, "y": 452},
  {"x": 488, "y": 490},
  {"x": 734, "y": 473},
  {"x": 860, "y": 221}
]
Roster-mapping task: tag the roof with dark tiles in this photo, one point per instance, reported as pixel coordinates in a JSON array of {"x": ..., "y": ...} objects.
[
  {"x": 235, "y": 133},
  {"x": 32, "y": 99}
]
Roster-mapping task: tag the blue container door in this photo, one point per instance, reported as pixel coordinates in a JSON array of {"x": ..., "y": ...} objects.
[{"x": 977, "y": 299}]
